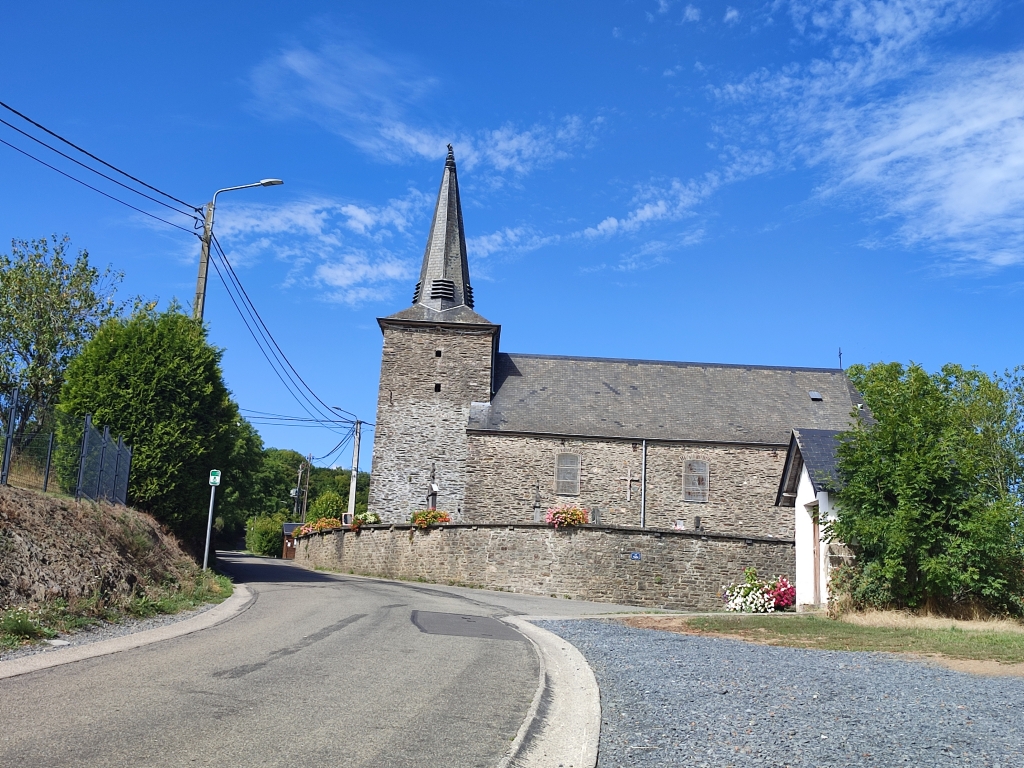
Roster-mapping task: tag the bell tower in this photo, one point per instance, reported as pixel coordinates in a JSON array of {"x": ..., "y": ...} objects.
[{"x": 438, "y": 359}]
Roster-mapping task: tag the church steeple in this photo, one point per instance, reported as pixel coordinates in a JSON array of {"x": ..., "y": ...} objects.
[{"x": 444, "y": 277}]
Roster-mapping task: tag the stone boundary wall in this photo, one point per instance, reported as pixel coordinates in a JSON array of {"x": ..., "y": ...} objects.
[{"x": 678, "y": 570}]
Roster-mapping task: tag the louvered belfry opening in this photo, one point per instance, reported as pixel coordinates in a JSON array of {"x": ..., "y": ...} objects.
[{"x": 444, "y": 277}]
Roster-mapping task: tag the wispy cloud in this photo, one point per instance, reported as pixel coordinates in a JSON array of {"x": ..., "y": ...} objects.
[
  {"x": 936, "y": 144},
  {"x": 691, "y": 13},
  {"x": 335, "y": 248},
  {"x": 650, "y": 254},
  {"x": 510, "y": 240},
  {"x": 731, "y": 15},
  {"x": 357, "y": 277},
  {"x": 675, "y": 199},
  {"x": 375, "y": 102},
  {"x": 946, "y": 157}
]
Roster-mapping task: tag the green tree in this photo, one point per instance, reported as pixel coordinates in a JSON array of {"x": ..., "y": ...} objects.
[
  {"x": 930, "y": 497},
  {"x": 323, "y": 479},
  {"x": 240, "y": 496},
  {"x": 50, "y": 305},
  {"x": 274, "y": 484},
  {"x": 156, "y": 381}
]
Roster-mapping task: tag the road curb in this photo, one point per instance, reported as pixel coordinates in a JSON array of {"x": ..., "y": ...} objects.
[
  {"x": 241, "y": 598},
  {"x": 563, "y": 724}
]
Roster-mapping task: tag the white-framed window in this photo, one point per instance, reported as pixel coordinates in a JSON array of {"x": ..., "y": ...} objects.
[
  {"x": 567, "y": 474},
  {"x": 696, "y": 474}
]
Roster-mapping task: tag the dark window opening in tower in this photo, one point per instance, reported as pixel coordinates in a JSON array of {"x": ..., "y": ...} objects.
[{"x": 437, "y": 387}]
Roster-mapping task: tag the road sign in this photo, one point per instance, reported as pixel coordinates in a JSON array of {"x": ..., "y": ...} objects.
[
  {"x": 214, "y": 477},
  {"x": 634, "y": 555}
]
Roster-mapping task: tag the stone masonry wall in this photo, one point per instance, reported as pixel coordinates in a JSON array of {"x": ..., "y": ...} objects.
[
  {"x": 504, "y": 472},
  {"x": 676, "y": 570},
  {"x": 416, "y": 426}
]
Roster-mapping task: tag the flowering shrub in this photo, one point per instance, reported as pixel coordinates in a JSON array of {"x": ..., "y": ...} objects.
[
  {"x": 756, "y": 596},
  {"x": 364, "y": 518},
  {"x": 783, "y": 593},
  {"x": 566, "y": 515},
  {"x": 428, "y": 517},
  {"x": 323, "y": 524}
]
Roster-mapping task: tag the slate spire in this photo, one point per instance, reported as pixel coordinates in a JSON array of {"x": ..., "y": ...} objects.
[{"x": 444, "y": 278}]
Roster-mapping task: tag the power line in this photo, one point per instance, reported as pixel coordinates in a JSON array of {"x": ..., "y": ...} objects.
[
  {"x": 336, "y": 448},
  {"x": 265, "y": 414},
  {"x": 100, "y": 173},
  {"x": 98, "y": 160},
  {"x": 289, "y": 386},
  {"x": 268, "y": 340},
  {"x": 95, "y": 189},
  {"x": 326, "y": 411}
]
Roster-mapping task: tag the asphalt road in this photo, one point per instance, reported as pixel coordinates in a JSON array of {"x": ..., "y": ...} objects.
[{"x": 320, "y": 670}]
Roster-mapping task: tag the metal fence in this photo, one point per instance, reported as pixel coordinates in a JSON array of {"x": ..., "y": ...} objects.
[
  {"x": 104, "y": 466},
  {"x": 48, "y": 451}
]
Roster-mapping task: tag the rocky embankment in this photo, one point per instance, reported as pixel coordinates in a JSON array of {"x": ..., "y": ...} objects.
[{"x": 52, "y": 548}]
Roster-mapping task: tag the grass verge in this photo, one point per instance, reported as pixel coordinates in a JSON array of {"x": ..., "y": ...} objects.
[
  {"x": 26, "y": 625},
  {"x": 980, "y": 644}
]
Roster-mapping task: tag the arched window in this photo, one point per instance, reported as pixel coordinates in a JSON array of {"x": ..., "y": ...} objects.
[
  {"x": 567, "y": 474},
  {"x": 695, "y": 480}
]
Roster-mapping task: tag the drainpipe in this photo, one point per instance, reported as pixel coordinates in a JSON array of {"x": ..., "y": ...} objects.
[{"x": 643, "y": 485}]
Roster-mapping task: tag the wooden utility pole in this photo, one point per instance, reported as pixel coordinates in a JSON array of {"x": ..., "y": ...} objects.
[
  {"x": 355, "y": 475},
  {"x": 305, "y": 495},
  {"x": 298, "y": 490}
]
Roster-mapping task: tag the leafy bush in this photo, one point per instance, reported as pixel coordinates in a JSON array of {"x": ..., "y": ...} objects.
[
  {"x": 327, "y": 504},
  {"x": 565, "y": 515},
  {"x": 757, "y": 596},
  {"x": 264, "y": 535},
  {"x": 428, "y": 517}
]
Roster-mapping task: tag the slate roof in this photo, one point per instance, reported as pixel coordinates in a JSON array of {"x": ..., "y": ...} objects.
[
  {"x": 815, "y": 449},
  {"x": 444, "y": 276},
  {"x": 818, "y": 449},
  {"x": 422, "y": 314},
  {"x": 657, "y": 400}
]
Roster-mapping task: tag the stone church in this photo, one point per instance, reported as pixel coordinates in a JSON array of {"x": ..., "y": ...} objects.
[{"x": 498, "y": 437}]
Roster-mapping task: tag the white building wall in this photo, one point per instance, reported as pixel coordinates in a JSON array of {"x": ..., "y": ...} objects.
[
  {"x": 807, "y": 501},
  {"x": 804, "y": 531}
]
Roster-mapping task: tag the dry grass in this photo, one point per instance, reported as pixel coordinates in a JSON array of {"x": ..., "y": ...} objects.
[
  {"x": 905, "y": 620},
  {"x": 994, "y": 643}
]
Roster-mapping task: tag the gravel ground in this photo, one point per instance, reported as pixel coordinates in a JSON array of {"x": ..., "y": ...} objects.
[
  {"x": 104, "y": 631},
  {"x": 670, "y": 699}
]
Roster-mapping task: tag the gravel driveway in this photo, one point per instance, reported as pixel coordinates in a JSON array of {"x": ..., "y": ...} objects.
[{"x": 684, "y": 700}]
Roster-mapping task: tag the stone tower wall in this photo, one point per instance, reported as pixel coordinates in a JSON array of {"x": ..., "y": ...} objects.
[{"x": 418, "y": 426}]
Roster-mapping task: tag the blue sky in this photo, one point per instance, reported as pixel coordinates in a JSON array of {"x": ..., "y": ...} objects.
[{"x": 743, "y": 183}]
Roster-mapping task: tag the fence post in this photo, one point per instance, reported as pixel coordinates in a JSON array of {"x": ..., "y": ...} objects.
[
  {"x": 99, "y": 475},
  {"x": 127, "y": 473},
  {"x": 85, "y": 452},
  {"x": 117, "y": 467},
  {"x": 5, "y": 468},
  {"x": 49, "y": 455}
]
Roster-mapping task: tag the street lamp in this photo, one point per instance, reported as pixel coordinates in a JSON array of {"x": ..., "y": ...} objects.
[{"x": 204, "y": 254}]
